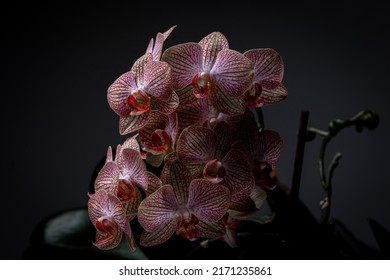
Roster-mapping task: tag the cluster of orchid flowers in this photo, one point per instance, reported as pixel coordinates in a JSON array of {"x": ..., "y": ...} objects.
[{"x": 190, "y": 111}]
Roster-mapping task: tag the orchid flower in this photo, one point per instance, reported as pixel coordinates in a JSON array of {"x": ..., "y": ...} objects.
[
  {"x": 109, "y": 218},
  {"x": 209, "y": 69},
  {"x": 267, "y": 87},
  {"x": 263, "y": 148},
  {"x": 148, "y": 83},
  {"x": 158, "y": 136},
  {"x": 208, "y": 154},
  {"x": 191, "y": 208}
]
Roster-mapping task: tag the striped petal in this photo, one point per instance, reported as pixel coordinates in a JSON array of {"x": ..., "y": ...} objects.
[
  {"x": 119, "y": 91},
  {"x": 107, "y": 241},
  {"x": 133, "y": 168},
  {"x": 158, "y": 79},
  {"x": 196, "y": 145},
  {"x": 250, "y": 205},
  {"x": 160, "y": 236},
  {"x": 157, "y": 121},
  {"x": 155, "y": 160},
  {"x": 176, "y": 174},
  {"x": 233, "y": 72},
  {"x": 224, "y": 139},
  {"x": 268, "y": 65},
  {"x": 211, "y": 45},
  {"x": 158, "y": 209},
  {"x": 139, "y": 66},
  {"x": 274, "y": 95},
  {"x": 227, "y": 104},
  {"x": 167, "y": 106},
  {"x": 131, "y": 143},
  {"x": 107, "y": 177},
  {"x": 185, "y": 61},
  {"x": 238, "y": 176},
  {"x": 158, "y": 46},
  {"x": 192, "y": 113},
  {"x": 104, "y": 204},
  {"x": 208, "y": 201},
  {"x": 131, "y": 123},
  {"x": 154, "y": 183},
  {"x": 268, "y": 146},
  {"x": 211, "y": 229}
]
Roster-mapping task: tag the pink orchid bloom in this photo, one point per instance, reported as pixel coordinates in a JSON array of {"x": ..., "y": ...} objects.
[
  {"x": 267, "y": 87},
  {"x": 109, "y": 218},
  {"x": 191, "y": 208},
  {"x": 209, "y": 69},
  {"x": 158, "y": 136},
  {"x": 208, "y": 154},
  {"x": 263, "y": 148},
  {"x": 148, "y": 84}
]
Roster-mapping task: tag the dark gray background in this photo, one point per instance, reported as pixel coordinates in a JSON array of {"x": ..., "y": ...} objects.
[{"x": 56, "y": 66}]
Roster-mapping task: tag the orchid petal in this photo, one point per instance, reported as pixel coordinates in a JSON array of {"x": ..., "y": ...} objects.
[
  {"x": 208, "y": 201},
  {"x": 155, "y": 160},
  {"x": 139, "y": 66},
  {"x": 211, "y": 45},
  {"x": 211, "y": 229},
  {"x": 119, "y": 91},
  {"x": 224, "y": 140},
  {"x": 269, "y": 146},
  {"x": 268, "y": 65},
  {"x": 186, "y": 95},
  {"x": 131, "y": 143},
  {"x": 104, "y": 204},
  {"x": 191, "y": 113},
  {"x": 109, "y": 155},
  {"x": 158, "y": 209},
  {"x": 250, "y": 205},
  {"x": 238, "y": 177},
  {"x": 131, "y": 123},
  {"x": 160, "y": 236},
  {"x": 156, "y": 121},
  {"x": 176, "y": 174},
  {"x": 133, "y": 168},
  {"x": 106, "y": 241},
  {"x": 107, "y": 177},
  {"x": 233, "y": 72},
  {"x": 131, "y": 207},
  {"x": 274, "y": 95},
  {"x": 129, "y": 237},
  {"x": 196, "y": 145},
  {"x": 154, "y": 183},
  {"x": 158, "y": 79},
  {"x": 167, "y": 106},
  {"x": 227, "y": 104},
  {"x": 185, "y": 61},
  {"x": 158, "y": 46}
]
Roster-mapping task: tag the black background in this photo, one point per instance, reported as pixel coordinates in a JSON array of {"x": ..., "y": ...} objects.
[{"x": 57, "y": 62}]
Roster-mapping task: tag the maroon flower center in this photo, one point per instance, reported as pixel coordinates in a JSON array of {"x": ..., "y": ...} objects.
[
  {"x": 214, "y": 171},
  {"x": 139, "y": 102},
  {"x": 161, "y": 141},
  {"x": 125, "y": 190},
  {"x": 203, "y": 84},
  {"x": 253, "y": 96},
  {"x": 262, "y": 171},
  {"x": 186, "y": 227},
  {"x": 107, "y": 225}
]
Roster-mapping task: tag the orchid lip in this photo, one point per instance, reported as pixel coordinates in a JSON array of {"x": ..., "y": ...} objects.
[
  {"x": 253, "y": 96},
  {"x": 203, "y": 84},
  {"x": 139, "y": 102},
  {"x": 125, "y": 190},
  {"x": 214, "y": 171}
]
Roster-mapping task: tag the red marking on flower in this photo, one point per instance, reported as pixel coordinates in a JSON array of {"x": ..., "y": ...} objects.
[
  {"x": 139, "y": 102},
  {"x": 203, "y": 84},
  {"x": 107, "y": 225},
  {"x": 125, "y": 191},
  {"x": 161, "y": 140},
  {"x": 214, "y": 171},
  {"x": 186, "y": 226},
  {"x": 253, "y": 96},
  {"x": 262, "y": 171}
]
